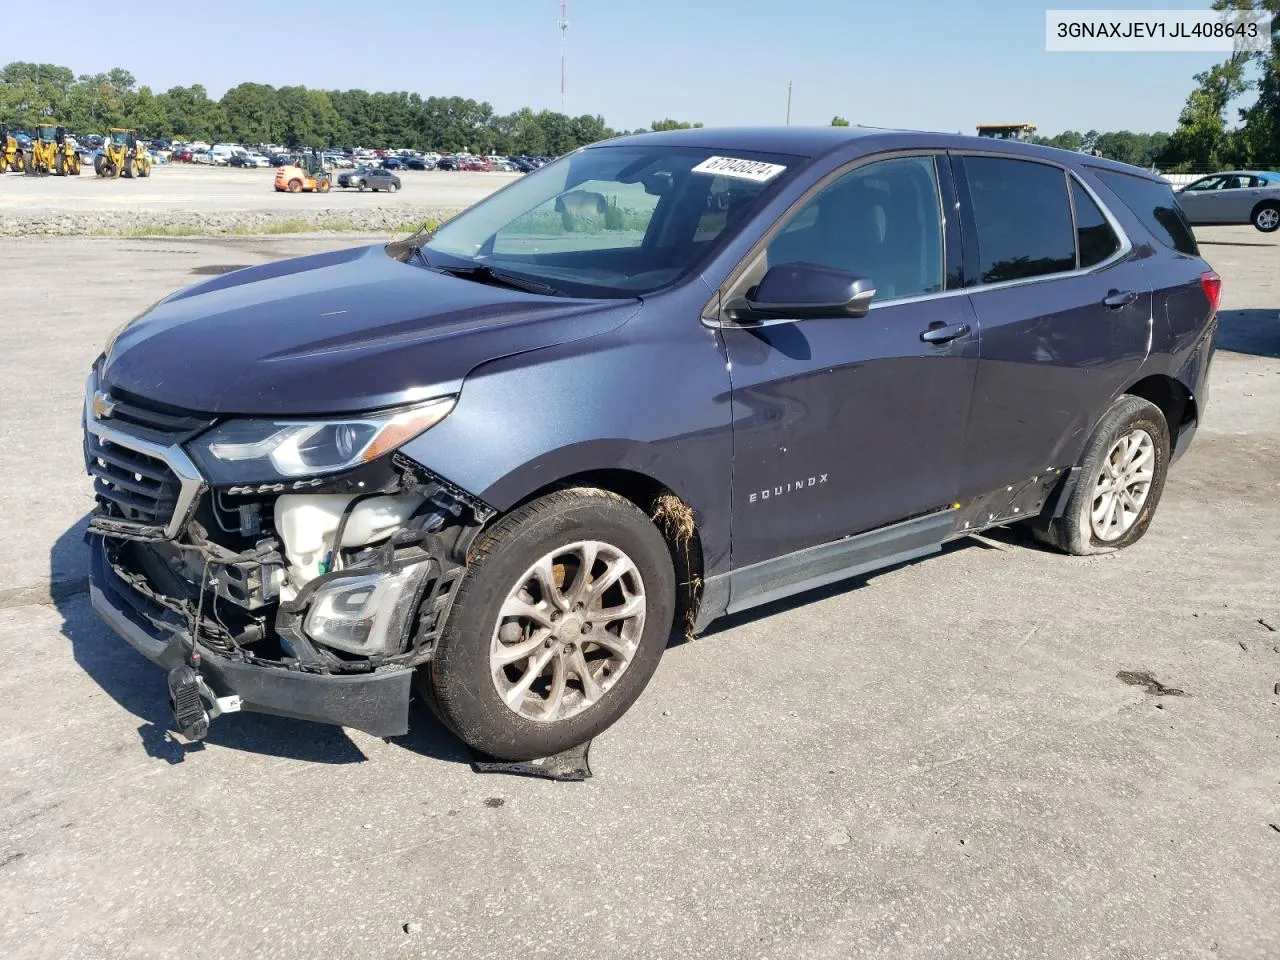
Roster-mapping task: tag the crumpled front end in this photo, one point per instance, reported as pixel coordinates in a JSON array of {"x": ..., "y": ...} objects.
[{"x": 312, "y": 597}]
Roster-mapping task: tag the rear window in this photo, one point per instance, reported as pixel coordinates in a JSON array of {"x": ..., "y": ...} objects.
[
  {"x": 1154, "y": 204},
  {"x": 1094, "y": 236},
  {"x": 1023, "y": 218}
]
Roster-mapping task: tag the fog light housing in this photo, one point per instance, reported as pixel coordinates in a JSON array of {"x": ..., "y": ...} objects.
[{"x": 366, "y": 614}]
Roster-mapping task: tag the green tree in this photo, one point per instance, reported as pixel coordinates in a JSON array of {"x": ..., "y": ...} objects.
[
  {"x": 838, "y": 121},
  {"x": 253, "y": 115}
]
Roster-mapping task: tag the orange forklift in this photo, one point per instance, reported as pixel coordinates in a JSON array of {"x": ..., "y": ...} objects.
[{"x": 305, "y": 173}]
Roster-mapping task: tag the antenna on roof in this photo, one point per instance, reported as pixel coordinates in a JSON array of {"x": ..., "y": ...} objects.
[
  {"x": 563, "y": 24},
  {"x": 788, "y": 103}
]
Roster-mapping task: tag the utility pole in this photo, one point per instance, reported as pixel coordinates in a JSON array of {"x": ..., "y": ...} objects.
[
  {"x": 564, "y": 30},
  {"x": 788, "y": 103}
]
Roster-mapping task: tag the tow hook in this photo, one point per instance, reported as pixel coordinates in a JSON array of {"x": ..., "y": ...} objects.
[{"x": 188, "y": 694}]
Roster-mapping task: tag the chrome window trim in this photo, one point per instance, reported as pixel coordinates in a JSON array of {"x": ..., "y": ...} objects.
[
  {"x": 191, "y": 483},
  {"x": 1126, "y": 245}
]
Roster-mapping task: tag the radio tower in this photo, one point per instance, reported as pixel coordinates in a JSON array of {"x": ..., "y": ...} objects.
[{"x": 563, "y": 24}]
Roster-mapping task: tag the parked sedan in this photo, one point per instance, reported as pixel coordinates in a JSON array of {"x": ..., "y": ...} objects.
[
  {"x": 418, "y": 163},
  {"x": 369, "y": 178},
  {"x": 392, "y": 163},
  {"x": 1240, "y": 196}
]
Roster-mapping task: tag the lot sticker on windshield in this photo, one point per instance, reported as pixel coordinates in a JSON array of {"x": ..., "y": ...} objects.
[{"x": 756, "y": 170}]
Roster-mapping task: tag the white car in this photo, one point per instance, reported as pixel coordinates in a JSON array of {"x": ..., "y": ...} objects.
[{"x": 257, "y": 159}]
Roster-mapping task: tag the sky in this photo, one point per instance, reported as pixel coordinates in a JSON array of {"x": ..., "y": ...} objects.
[{"x": 929, "y": 65}]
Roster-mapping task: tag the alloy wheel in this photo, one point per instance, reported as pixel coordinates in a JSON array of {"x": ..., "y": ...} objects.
[
  {"x": 567, "y": 631},
  {"x": 1122, "y": 485},
  {"x": 1268, "y": 219}
]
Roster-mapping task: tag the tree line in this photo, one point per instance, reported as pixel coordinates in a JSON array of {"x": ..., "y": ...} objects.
[
  {"x": 1214, "y": 131},
  {"x": 295, "y": 116}
]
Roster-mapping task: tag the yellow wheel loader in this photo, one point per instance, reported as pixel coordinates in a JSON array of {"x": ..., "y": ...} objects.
[
  {"x": 40, "y": 158},
  {"x": 66, "y": 160},
  {"x": 11, "y": 154},
  {"x": 122, "y": 156}
]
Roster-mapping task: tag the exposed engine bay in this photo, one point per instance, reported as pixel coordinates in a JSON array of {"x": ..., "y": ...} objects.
[{"x": 356, "y": 574}]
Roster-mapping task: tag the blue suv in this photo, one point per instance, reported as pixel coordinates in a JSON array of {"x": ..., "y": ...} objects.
[{"x": 664, "y": 378}]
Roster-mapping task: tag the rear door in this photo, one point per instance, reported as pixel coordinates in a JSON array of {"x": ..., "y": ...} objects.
[{"x": 1065, "y": 311}]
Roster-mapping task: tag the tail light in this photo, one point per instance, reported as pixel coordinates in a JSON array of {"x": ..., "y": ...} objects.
[{"x": 1211, "y": 284}]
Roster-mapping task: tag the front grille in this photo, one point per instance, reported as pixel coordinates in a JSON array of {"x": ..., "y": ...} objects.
[
  {"x": 155, "y": 422},
  {"x": 131, "y": 485}
]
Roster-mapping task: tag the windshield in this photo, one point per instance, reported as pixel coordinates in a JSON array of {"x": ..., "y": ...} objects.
[
  {"x": 46, "y": 132},
  {"x": 613, "y": 221},
  {"x": 120, "y": 138}
]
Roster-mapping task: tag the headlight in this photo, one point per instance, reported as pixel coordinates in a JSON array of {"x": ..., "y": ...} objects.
[
  {"x": 366, "y": 614},
  {"x": 260, "y": 451}
]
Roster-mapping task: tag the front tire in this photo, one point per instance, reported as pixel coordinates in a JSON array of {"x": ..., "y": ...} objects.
[
  {"x": 1121, "y": 477},
  {"x": 557, "y": 627}
]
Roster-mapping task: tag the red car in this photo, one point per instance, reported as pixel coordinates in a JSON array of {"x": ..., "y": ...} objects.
[
  {"x": 182, "y": 156},
  {"x": 475, "y": 163}
]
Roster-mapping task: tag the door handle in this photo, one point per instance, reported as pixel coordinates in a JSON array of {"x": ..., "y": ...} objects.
[
  {"x": 1119, "y": 298},
  {"x": 944, "y": 333}
]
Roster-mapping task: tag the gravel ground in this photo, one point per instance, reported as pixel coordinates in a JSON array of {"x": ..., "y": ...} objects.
[
  {"x": 220, "y": 199},
  {"x": 937, "y": 761}
]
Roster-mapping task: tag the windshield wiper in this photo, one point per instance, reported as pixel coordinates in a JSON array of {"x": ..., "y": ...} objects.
[{"x": 500, "y": 278}]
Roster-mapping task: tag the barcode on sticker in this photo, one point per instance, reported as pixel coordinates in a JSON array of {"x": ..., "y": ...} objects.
[{"x": 756, "y": 170}]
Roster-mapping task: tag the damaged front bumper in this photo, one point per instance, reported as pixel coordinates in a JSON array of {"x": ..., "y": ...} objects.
[
  {"x": 316, "y": 599},
  {"x": 377, "y": 703}
]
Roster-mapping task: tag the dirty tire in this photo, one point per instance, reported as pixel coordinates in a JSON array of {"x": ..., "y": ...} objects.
[
  {"x": 295, "y": 186},
  {"x": 457, "y": 683},
  {"x": 1266, "y": 217},
  {"x": 1073, "y": 532}
]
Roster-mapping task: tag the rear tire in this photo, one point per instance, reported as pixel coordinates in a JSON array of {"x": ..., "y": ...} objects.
[
  {"x": 1119, "y": 483},
  {"x": 462, "y": 680},
  {"x": 295, "y": 186},
  {"x": 1266, "y": 217}
]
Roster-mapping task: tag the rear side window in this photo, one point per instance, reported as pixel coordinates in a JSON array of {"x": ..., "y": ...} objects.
[
  {"x": 1154, "y": 204},
  {"x": 1094, "y": 235},
  {"x": 1023, "y": 218}
]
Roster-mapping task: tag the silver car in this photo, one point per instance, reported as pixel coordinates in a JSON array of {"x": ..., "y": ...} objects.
[{"x": 1240, "y": 196}]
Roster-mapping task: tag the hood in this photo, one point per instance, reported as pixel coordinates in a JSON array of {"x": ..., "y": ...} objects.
[{"x": 334, "y": 333}]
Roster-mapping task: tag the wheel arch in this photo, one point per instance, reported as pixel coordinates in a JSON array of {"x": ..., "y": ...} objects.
[
  {"x": 1268, "y": 202},
  {"x": 675, "y": 518},
  {"x": 1171, "y": 396}
]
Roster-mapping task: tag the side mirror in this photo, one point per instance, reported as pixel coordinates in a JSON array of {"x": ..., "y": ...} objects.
[{"x": 800, "y": 291}]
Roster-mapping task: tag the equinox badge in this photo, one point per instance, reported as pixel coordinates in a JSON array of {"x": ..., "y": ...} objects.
[{"x": 784, "y": 488}]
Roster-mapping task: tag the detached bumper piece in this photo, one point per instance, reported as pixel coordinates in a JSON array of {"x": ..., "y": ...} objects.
[{"x": 204, "y": 683}]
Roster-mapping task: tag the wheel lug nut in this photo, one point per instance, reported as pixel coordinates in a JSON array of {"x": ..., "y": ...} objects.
[
  {"x": 586, "y": 628},
  {"x": 555, "y": 616}
]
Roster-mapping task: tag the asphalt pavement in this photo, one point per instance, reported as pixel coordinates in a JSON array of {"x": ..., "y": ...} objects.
[{"x": 998, "y": 752}]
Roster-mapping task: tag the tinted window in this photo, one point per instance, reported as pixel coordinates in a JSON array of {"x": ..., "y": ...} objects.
[
  {"x": 881, "y": 221},
  {"x": 1094, "y": 235},
  {"x": 1153, "y": 203},
  {"x": 1023, "y": 218}
]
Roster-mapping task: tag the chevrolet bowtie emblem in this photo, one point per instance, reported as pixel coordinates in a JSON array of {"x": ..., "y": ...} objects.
[{"x": 103, "y": 405}]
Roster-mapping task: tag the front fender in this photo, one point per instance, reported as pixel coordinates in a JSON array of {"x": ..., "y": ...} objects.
[{"x": 643, "y": 399}]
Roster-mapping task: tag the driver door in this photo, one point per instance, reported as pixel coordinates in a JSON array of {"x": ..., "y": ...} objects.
[{"x": 841, "y": 424}]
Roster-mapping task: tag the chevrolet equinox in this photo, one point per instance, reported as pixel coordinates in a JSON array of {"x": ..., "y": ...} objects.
[{"x": 664, "y": 378}]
